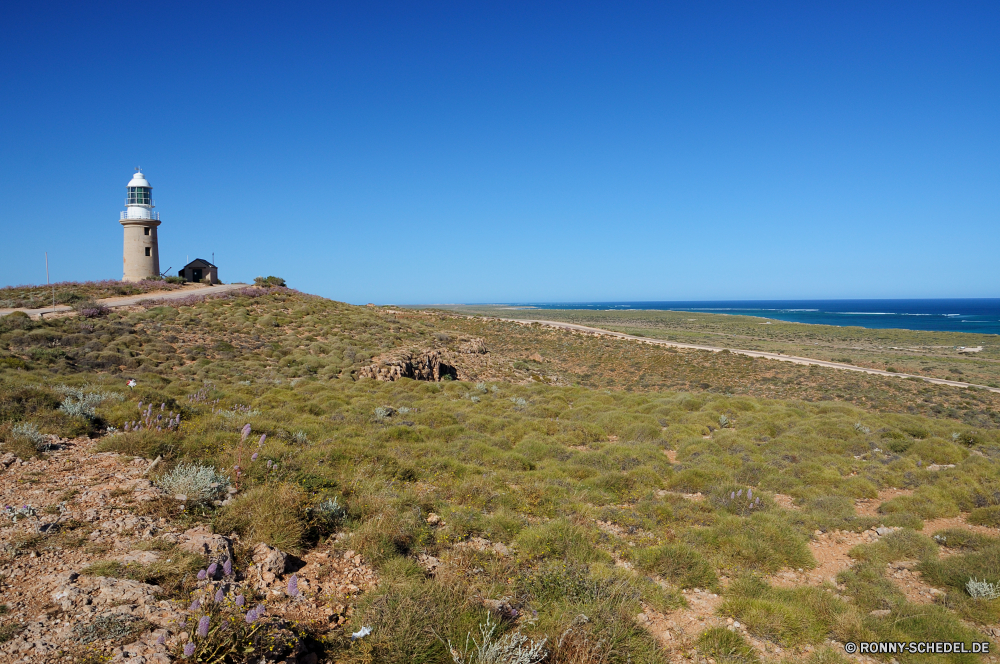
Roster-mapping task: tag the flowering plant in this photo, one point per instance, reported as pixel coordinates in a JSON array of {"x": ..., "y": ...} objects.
[{"x": 224, "y": 628}]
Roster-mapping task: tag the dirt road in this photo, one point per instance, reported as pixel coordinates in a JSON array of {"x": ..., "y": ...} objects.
[
  {"x": 128, "y": 300},
  {"x": 751, "y": 353}
]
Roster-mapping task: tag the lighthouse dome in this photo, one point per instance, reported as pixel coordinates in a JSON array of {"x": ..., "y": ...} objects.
[{"x": 139, "y": 180}]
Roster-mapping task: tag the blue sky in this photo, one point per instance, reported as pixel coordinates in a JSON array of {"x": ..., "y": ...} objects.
[{"x": 496, "y": 152}]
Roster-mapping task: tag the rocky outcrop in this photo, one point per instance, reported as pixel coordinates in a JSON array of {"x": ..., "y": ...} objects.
[
  {"x": 429, "y": 365},
  {"x": 473, "y": 347}
]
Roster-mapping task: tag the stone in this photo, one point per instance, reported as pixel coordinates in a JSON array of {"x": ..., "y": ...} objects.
[
  {"x": 473, "y": 346},
  {"x": 143, "y": 557},
  {"x": 433, "y": 519},
  {"x": 880, "y": 613},
  {"x": 203, "y": 541},
  {"x": 269, "y": 559},
  {"x": 427, "y": 365},
  {"x": 882, "y": 531}
]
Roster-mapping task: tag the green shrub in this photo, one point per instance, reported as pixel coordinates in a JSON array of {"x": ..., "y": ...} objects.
[
  {"x": 558, "y": 539},
  {"x": 955, "y": 571},
  {"x": 270, "y": 513},
  {"x": 727, "y": 646},
  {"x": 197, "y": 482},
  {"x": 678, "y": 563},
  {"x": 903, "y": 544},
  {"x": 786, "y": 616},
  {"x": 986, "y": 516}
]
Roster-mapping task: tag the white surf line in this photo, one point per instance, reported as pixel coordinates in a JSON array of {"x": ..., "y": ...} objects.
[{"x": 794, "y": 359}]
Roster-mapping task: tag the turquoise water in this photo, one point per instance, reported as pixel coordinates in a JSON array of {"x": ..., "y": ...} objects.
[{"x": 981, "y": 315}]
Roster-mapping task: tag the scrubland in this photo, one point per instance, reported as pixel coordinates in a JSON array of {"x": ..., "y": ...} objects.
[
  {"x": 565, "y": 487},
  {"x": 924, "y": 353},
  {"x": 73, "y": 292}
]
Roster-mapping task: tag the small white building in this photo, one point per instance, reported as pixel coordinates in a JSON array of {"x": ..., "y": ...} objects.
[{"x": 141, "y": 256}]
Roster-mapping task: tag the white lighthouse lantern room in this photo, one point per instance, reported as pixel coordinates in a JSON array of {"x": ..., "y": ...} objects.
[{"x": 141, "y": 258}]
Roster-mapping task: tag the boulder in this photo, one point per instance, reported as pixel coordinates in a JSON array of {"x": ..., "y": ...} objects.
[
  {"x": 270, "y": 560},
  {"x": 473, "y": 347},
  {"x": 202, "y": 540},
  {"x": 419, "y": 365}
]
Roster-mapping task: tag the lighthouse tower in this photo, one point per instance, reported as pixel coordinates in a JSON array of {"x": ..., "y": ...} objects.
[{"x": 141, "y": 256}]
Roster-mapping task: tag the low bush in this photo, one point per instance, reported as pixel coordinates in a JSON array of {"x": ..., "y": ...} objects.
[
  {"x": 678, "y": 563},
  {"x": 955, "y": 571},
  {"x": 727, "y": 646},
  {"x": 786, "y": 616},
  {"x": 197, "y": 482},
  {"x": 903, "y": 544},
  {"x": 28, "y": 433},
  {"x": 986, "y": 516},
  {"x": 272, "y": 513},
  {"x": 558, "y": 539}
]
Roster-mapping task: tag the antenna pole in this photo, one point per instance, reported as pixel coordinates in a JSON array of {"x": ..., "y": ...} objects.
[{"x": 47, "y": 282}]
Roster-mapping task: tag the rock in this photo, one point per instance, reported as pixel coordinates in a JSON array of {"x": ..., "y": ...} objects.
[
  {"x": 269, "y": 559},
  {"x": 7, "y": 459},
  {"x": 429, "y": 563},
  {"x": 433, "y": 519},
  {"x": 880, "y": 613},
  {"x": 143, "y": 557},
  {"x": 882, "y": 531},
  {"x": 202, "y": 540},
  {"x": 473, "y": 346},
  {"x": 426, "y": 365},
  {"x": 535, "y": 357},
  {"x": 181, "y": 497},
  {"x": 501, "y": 607},
  {"x": 940, "y": 466}
]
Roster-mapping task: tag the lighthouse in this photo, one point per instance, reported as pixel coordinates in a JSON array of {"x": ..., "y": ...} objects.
[{"x": 141, "y": 257}]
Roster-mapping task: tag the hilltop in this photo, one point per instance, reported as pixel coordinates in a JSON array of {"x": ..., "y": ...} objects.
[{"x": 424, "y": 475}]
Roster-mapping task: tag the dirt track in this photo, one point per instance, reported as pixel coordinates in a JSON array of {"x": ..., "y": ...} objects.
[
  {"x": 751, "y": 353},
  {"x": 128, "y": 300}
]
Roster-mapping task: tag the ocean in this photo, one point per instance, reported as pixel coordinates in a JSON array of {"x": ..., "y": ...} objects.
[{"x": 980, "y": 315}]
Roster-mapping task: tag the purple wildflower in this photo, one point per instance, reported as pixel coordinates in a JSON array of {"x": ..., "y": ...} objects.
[
  {"x": 732, "y": 495},
  {"x": 213, "y": 570},
  {"x": 227, "y": 567},
  {"x": 253, "y": 457},
  {"x": 140, "y": 405},
  {"x": 220, "y": 595},
  {"x": 203, "y": 626},
  {"x": 202, "y": 575},
  {"x": 739, "y": 494},
  {"x": 757, "y": 502},
  {"x": 246, "y": 431},
  {"x": 240, "y": 600},
  {"x": 162, "y": 639},
  {"x": 251, "y": 617},
  {"x": 188, "y": 649},
  {"x": 263, "y": 437},
  {"x": 293, "y": 586},
  {"x": 749, "y": 494},
  {"x": 195, "y": 605},
  {"x": 162, "y": 406},
  {"x": 269, "y": 463}
]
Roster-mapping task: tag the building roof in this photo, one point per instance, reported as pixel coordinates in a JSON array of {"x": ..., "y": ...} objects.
[
  {"x": 139, "y": 180},
  {"x": 200, "y": 262}
]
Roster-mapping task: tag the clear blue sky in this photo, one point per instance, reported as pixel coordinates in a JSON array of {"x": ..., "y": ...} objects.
[{"x": 496, "y": 152}]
